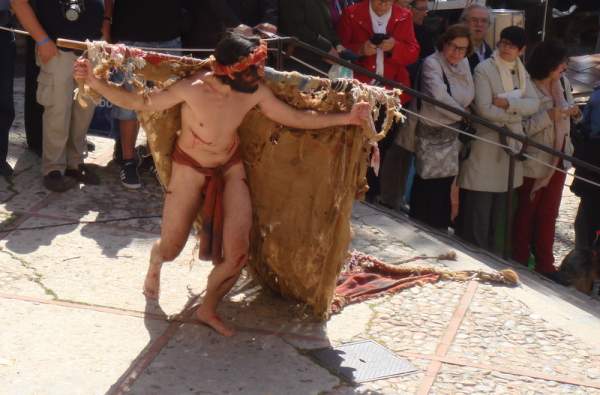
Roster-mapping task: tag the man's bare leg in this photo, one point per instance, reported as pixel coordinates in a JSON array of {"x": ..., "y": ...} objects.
[
  {"x": 182, "y": 202},
  {"x": 236, "y": 240},
  {"x": 152, "y": 282}
]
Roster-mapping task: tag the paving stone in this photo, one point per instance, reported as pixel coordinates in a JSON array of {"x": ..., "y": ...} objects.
[
  {"x": 197, "y": 360},
  {"x": 104, "y": 267},
  {"x": 452, "y": 378},
  {"x": 538, "y": 354},
  {"x": 56, "y": 350}
]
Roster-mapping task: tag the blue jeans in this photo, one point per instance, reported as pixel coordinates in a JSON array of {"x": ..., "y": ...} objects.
[
  {"x": 7, "y": 70},
  {"x": 123, "y": 114}
]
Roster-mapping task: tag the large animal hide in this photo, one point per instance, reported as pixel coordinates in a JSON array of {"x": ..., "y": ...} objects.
[{"x": 303, "y": 183}]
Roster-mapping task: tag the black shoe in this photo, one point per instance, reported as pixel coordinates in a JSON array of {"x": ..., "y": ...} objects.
[
  {"x": 129, "y": 175},
  {"x": 56, "y": 182},
  {"x": 147, "y": 164},
  {"x": 84, "y": 175},
  {"x": 91, "y": 147},
  {"x": 5, "y": 169}
]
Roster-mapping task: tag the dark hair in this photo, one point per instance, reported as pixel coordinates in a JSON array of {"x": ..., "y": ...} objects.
[
  {"x": 516, "y": 35},
  {"x": 545, "y": 57},
  {"x": 234, "y": 47},
  {"x": 455, "y": 31}
]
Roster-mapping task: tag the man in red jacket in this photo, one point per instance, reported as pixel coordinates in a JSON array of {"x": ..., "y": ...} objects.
[{"x": 382, "y": 33}]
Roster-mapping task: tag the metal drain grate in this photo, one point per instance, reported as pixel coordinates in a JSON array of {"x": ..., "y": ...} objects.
[{"x": 362, "y": 361}]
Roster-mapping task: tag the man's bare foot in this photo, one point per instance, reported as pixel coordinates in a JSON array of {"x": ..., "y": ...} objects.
[
  {"x": 214, "y": 321},
  {"x": 152, "y": 282}
]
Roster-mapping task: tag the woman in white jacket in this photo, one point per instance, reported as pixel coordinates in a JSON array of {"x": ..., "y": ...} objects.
[{"x": 504, "y": 94}]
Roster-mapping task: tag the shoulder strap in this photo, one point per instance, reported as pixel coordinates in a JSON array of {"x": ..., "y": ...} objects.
[
  {"x": 564, "y": 86},
  {"x": 446, "y": 82},
  {"x": 418, "y": 82}
]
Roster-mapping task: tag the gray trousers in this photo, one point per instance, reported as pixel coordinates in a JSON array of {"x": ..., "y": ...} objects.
[{"x": 481, "y": 218}]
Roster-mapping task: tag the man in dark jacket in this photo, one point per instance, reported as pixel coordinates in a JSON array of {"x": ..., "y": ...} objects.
[
  {"x": 248, "y": 14},
  {"x": 587, "y": 148},
  {"x": 478, "y": 20},
  {"x": 207, "y": 20},
  {"x": 309, "y": 21}
]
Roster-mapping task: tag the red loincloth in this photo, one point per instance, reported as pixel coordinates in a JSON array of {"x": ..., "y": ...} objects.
[
  {"x": 366, "y": 277},
  {"x": 211, "y": 234}
]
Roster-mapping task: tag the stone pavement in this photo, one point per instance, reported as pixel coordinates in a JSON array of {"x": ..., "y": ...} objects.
[{"x": 75, "y": 321}]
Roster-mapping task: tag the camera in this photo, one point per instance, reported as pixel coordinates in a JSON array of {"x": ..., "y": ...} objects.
[
  {"x": 378, "y": 38},
  {"x": 72, "y": 9}
]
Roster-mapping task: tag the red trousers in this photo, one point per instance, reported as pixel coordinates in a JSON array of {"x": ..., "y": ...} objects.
[{"x": 535, "y": 222}]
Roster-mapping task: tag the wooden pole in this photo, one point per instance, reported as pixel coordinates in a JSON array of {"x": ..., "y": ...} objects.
[{"x": 149, "y": 56}]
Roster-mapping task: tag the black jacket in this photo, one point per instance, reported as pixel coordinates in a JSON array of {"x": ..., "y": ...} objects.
[
  {"x": 249, "y": 12},
  {"x": 474, "y": 59},
  {"x": 588, "y": 150},
  {"x": 309, "y": 21}
]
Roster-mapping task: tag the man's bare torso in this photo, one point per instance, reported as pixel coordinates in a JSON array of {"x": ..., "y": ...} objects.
[{"x": 210, "y": 116}]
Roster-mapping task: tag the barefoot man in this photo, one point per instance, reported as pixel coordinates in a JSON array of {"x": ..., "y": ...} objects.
[{"x": 207, "y": 168}]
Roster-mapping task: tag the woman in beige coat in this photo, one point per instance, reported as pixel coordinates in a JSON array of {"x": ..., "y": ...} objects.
[{"x": 504, "y": 94}]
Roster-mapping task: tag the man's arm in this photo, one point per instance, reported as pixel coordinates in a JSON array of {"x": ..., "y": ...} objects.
[
  {"x": 156, "y": 101},
  {"x": 45, "y": 47},
  {"x": 280, "y": 112}
]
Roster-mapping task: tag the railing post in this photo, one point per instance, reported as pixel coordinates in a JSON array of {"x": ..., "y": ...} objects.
[
  {"x": 509, "y": 206},
  {"x": 279, "y": 61}
]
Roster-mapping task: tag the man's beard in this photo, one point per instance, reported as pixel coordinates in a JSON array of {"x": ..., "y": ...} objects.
[
  {"x": 246, "y": 85},
  {"x": 242, "y": 86}
]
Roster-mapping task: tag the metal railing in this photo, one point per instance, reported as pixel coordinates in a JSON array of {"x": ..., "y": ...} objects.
[{"x": 291, "y": 42}]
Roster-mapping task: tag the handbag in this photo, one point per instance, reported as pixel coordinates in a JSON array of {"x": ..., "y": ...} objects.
[
  {"x": 436, "y": 152},
  {"x": 465, "y": 139}
]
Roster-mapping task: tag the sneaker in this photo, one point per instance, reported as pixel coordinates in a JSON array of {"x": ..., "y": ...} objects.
[
  {"x": 84, "y": 175},
  {"x": 5, "y": 169},
  {"x": 56, "y": 182},
  {"x": 130, "y": 177}
]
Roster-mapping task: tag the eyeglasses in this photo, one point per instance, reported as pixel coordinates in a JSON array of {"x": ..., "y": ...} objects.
[
  {"x": 456, "y": 48},
  {"x": 479, "y": 21},
  {"x": 507, "y": 44}
]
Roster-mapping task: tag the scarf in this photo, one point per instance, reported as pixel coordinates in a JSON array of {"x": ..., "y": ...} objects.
[
  {"x": 379, "y": 24},
  {"x": 507, "y": 70},
  {"x": 562, "y": 126}
]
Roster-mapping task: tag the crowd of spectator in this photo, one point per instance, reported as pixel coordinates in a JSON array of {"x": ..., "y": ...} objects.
[{"x": 440, "y": 176}]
